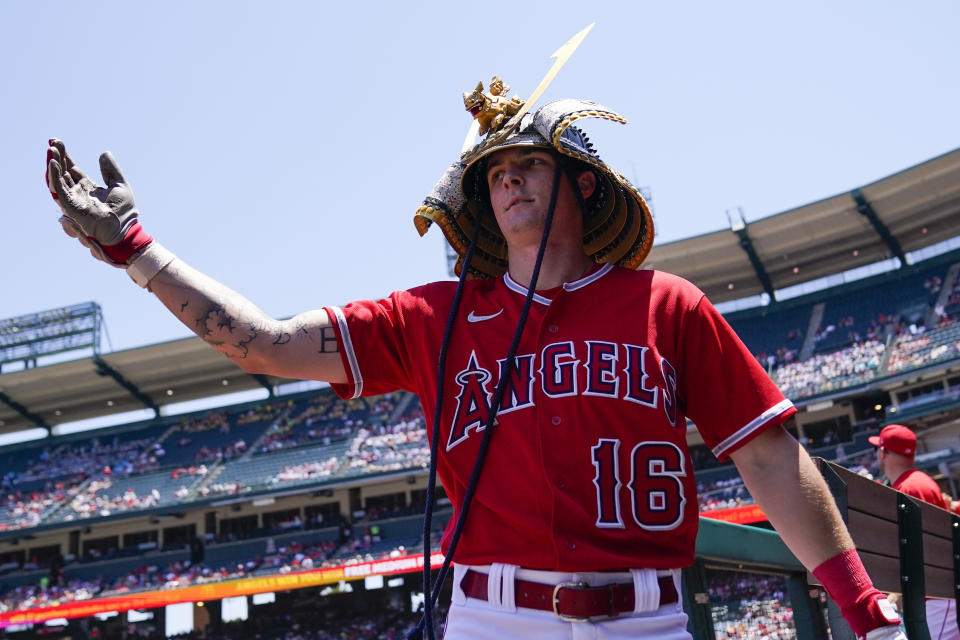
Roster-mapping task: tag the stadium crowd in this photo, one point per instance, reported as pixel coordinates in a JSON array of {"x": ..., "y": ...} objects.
[
  {"x": 750, "y": 606},
  {"x": 390, "y": 447},
  {"x": 85, "y": 484},
  {"x": 366, "y": 540},
  {"x": 826, "y": 372},
  {"x": 87, "y": 478}
]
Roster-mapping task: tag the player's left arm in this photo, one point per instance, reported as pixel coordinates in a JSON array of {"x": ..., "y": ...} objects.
[
  {"x": 783, "y": 480},
  {"x": 786, "y": 484}
]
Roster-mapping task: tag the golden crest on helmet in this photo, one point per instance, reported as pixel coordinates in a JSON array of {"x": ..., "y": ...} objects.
[{"x": 491, "y": 110}]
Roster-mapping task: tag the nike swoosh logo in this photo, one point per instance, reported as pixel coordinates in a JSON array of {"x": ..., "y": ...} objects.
[{"x": 473, "y": 317}]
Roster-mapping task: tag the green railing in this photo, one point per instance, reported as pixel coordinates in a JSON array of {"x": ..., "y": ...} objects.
[{"x": 745, "y": 581}]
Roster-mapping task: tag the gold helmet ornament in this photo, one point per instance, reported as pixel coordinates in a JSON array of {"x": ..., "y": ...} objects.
[{"x": 617, "y": 226}]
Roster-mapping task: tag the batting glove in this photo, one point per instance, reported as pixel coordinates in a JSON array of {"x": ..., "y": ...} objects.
[{"x": 103, "y": 219}]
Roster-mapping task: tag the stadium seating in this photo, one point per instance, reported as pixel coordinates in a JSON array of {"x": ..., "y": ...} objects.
[
  {"x": 913, "y": 351},
  {"x": 108, "y": 495},
  {"x": 774, "y": 335},
  {"x": 313, "y": 439},
  {"x": 851, "y": 366},
  {"x": 854, "y": 318},
  {"x": 304, "y": 465}
]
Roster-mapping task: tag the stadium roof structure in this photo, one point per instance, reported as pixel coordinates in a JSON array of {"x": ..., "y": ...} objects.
[
  {"x": 909, "y": 210},
  {"x": 119, "y": 382},
  {"x": 906, "y": 211}
]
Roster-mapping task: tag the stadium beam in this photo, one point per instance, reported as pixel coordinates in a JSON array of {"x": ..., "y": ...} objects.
[
  {"x": 23, "y": 411},
  {"x": 262, "y": 379},
  {"x": 104, "y": 369},
  {"x": 747, "y": 245},
  {"x": 866, "y": 210}
]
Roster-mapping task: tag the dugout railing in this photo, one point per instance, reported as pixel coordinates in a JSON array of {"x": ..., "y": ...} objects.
[
  {"x": 725, "y": 548},
  {"x": 908, "y": 546}
]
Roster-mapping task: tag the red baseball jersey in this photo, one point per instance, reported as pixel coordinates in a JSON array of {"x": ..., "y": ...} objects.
[
  {"x": 921, "y": 486},
  {"x": 588, "y": 468}
]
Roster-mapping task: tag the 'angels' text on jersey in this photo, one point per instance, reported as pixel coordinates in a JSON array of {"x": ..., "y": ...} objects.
[{"x": 617, "y": 371}]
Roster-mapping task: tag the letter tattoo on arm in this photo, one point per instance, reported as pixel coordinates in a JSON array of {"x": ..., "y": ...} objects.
[{"x": 328, "y": 341}]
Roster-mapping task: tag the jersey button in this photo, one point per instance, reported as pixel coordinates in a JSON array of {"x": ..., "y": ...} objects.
[
  {"x": 553, "y": 328},
  {"x": 571, "y": 545},
  {"x": 561, "y": 484},
  {"x": 556, "y": 420}
]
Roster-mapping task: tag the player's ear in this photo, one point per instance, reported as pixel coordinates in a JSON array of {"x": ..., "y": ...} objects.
[{"x": 587, "y": 183}]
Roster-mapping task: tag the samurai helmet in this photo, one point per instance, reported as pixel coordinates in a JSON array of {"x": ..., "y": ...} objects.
[{"x": 617, "y": 225}]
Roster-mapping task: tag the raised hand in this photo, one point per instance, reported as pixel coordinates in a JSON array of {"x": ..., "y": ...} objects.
[{"x": 103, "y": 218}]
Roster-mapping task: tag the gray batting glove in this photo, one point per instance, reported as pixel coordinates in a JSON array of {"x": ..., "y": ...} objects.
[{"x": 103, "y": 219}]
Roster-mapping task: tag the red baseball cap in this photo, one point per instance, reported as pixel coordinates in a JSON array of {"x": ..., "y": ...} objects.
[{"x": 896, "y": 438}]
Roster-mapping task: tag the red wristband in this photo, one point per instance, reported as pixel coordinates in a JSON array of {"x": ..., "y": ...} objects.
[
  {"x": 134, "y": 240},
  {"x": 846, "y": 581}
]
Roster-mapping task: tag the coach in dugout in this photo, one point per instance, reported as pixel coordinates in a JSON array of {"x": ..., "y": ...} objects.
[
  {"x": 586, "y": 510},
  {"x": 896, "y": 451}
]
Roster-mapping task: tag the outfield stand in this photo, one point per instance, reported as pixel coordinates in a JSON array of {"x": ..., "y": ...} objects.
[
  {"x": 312, "y": 440},
  {"x": 196, "y": 439},
  {"x": 109, "y": 494},
  {"x": 269, "y": 554},
  {"x": 858, "y": 332},
  {"x": 721, "y": 487},
  {"x": 223, "y": 452},
  {"x": 402, "y": 445},
  {"x": 388, "y": 447},
  {"x": 747, "y": 606},
  {"x": 27, "y": 508},
  {"x": 279, "y": 470},
  {"x": 325, "y": 419},
  {"x": 316, "y": 438},
  {"x": 850, "y": 319},
  {"x": 18, "y": 460},
  {"x": 774, "y": 336},
  {"x": 915, "y": 351},
  {"x": 952, "y": 303},
  {"x": 123, "y": 452},
  {"x": 851, "y": 366}
]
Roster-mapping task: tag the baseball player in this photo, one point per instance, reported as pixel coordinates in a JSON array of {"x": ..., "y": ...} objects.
[
  {"x": 896, "y": 450},
  {"x": 577, "y": 368}
]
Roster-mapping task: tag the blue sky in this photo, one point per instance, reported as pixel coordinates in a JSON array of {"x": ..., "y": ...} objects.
[{"x": 282, "y": 147}]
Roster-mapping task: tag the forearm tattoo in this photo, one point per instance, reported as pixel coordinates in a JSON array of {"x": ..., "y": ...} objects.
[
  {"x": 231, "y": 326},
  {"x": 227, "y": 334}
]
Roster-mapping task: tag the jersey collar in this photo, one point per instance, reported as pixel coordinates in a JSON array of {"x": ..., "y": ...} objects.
[{"x": 567, "y": 286}]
